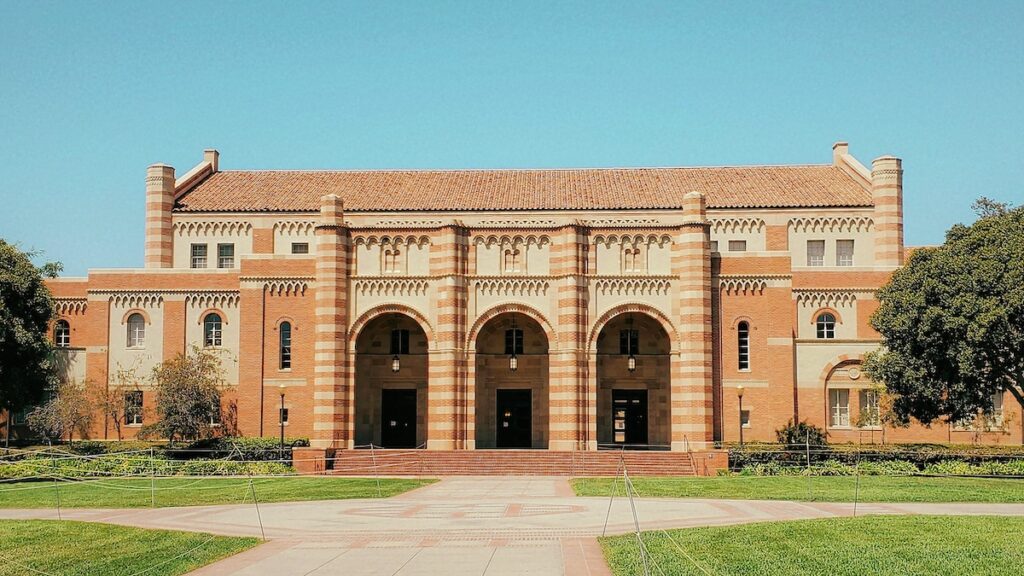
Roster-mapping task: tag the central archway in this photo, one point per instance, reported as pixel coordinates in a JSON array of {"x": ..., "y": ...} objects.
[
  {"x": 391, "y": 382},
  {"x": 634, "y": 366},
  {"x": 511, "y": 395}
]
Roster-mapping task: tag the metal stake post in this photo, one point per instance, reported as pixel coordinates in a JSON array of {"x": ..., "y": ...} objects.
[
  {"x": 807, "y": 444},
  {"x": 257, "y": 503},
  {"x": 152, "y": 479},
  {"x": 376, "y": 475}
]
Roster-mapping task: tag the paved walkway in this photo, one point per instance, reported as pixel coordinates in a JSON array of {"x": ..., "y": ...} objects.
[{"x": 483, "y": 526}]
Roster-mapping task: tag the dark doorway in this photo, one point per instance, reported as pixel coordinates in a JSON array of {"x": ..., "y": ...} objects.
[
  {"x": 515, "y": 418},
  {"x": 398, "y": 418},
  {"x": 629, "y": 417}
]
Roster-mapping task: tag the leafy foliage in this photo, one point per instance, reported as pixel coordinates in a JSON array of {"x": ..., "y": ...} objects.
[
  {"x": 188, "y": 389},
  {"x": 26, "y": 309},
  {"x": 952, "y": 321},
  {"x": 69, "y": 410},
  {"x": 800, "y": 434}
]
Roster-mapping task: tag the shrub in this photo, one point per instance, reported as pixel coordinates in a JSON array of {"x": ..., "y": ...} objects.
[
  {"x": 134, "y": 465},
  {"x": 888, "y": 468},
  {"x": 796, "y": 435},
  {"x": 240, "y": 448}
]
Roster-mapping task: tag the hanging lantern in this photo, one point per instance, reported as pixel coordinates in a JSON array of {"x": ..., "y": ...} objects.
[
  {"x": 513, "y": 360},
  {"x": 396, "y": 342},
  {"x": 631, "y": 363}
]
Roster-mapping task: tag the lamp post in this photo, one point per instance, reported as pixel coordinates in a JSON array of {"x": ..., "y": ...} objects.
[
  {"x": 739, "y": 394},
  {"x": 280, "y": 416}
]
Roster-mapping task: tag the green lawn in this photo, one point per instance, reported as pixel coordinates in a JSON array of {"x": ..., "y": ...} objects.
[
  {"x": 81, "y": 548},
  {"x": 134, "y": 493},
  {"x": 836, "y": 546},
  {"x": 822, "y": 488}
]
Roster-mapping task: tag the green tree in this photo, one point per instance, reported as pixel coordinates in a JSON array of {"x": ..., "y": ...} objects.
[
  {"x": 188, "y": 389},
  {"x": 69, "y": 410},
  {"x": 952, "y": 321},
  {"x": 26, "y": 308}
]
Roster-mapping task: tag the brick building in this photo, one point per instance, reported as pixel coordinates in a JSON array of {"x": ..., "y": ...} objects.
[{"x": 471, "y": 309}]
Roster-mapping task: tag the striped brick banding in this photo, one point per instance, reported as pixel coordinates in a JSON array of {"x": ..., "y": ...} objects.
[
  {"x": 159, "y": 203},
  {"x": 568, "y": 393},
  {"x": 887, "y": 194},
  {"x": 446, "y": 397},
  {"x": 692, "y": 370},
  {"x": 333, "y": 423}
]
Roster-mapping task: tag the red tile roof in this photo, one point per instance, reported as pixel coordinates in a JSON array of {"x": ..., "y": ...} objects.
[{"x": 570, "y": 189}]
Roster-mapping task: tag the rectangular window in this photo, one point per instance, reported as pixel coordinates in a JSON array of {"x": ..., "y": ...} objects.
[
  {"x": 714, "y": 245},
  {"x": 282, "y": 414},
  {"x": 737, "y": 245},
  {"x": 745, "y": 418},
  {"x": 815, "y": 252},
  {"x": 300, "y": 247},
  {"x": 199, "y": 255},
  {"x": 629, "y": 342},
  {"x": 514, "y": 341},
  {"x": 844, "y": 252},
  {"x": 225, "y": 255},
  {"x": 839, "y": 403},
  {"x": 133, "y": 408},
  {"x": 869, "y": 413},
  {"x": 399, "y": 341},
  {"x": 996, "y": 418}
]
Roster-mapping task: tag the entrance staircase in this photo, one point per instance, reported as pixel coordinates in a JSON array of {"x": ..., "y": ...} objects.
[{"x": 390, "y": 462}]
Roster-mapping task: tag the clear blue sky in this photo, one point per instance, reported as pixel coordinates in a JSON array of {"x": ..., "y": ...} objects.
[{"x": 93, "y": 92}]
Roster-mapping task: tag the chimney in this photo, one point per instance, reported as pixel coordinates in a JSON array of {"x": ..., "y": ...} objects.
[
  {"x": 159, "y": 202},
  {"x": 211, "y": 157},
  {"x": 839, "y": 149},
  {"x": 887, "y": 195}
]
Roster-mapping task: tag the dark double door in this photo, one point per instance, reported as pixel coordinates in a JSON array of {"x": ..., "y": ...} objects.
[
  {"x": 629, "y": 417},
  {"x": 515, "y": 419},
  {"x": 398, "y": 418}
]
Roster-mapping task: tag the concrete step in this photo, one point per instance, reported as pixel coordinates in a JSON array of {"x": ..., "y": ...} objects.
[{"x": 509, "y": 462}]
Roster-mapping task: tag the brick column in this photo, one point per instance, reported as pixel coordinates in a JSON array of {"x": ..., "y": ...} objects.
[
  {"x": 174, "y": 325},
  {"x": 252, "y": 419},
  {"x": 692, "y": 397},
  {"x": 333, "y": 422},
  {"x": 447, "y": 400},
  {"x": 567, "y": 386},
  {"x": 159, "y": 202},
  {"x": 95, "y": 337},
  {"x": 887, "y": 194}
]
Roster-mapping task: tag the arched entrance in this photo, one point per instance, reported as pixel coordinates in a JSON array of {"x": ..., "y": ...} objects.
[
  {"x": 391, "y": 383},
  {"x": 511, "y": 395},
  {"x": 634, "y": 367}
]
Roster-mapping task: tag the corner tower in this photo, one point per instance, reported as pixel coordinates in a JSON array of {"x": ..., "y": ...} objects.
[{"x": 159, "y": 202}]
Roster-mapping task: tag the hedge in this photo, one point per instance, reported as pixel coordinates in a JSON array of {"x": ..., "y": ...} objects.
[
  {"x": 886, "y": 468},
  {"x": 921, "y": 455},
  {"x": 134, "y": 465}
]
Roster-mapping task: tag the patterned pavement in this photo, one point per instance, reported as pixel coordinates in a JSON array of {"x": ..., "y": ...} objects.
[{"x": 483, "y": 526}]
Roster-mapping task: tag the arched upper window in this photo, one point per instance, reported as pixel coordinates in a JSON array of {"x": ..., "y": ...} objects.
[
  {"x": 136, "y": 331},
  {"x": 286, "y": 345},
  {"x": 391, "y": 260},
  {"x": 631, "y": 260},
  {"x": 512, "y": 262},
  {"x": 62, "y": 334},
  {"x": 826, "y": 325},
  {"x": 212, "y": 330},
  {"x": 743, "y": 345}
]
